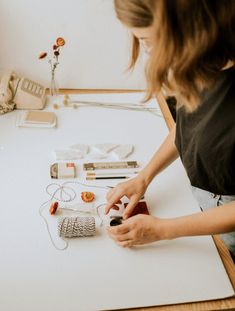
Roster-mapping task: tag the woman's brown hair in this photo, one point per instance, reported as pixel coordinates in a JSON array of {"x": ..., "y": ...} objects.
[{"x": 192, "y": 41}]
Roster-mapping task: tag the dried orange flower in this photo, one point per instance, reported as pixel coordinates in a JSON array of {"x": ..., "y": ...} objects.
[
  {"x": 42, "y": 55},
  {"x": 60, "y": 41},
  {"x": 53, "y": 208},
  {"x": 54, "y": 62},
  {"x": 87, "y": 196}
]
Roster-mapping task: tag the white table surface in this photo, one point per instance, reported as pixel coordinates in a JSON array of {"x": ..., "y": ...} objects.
[{"x": 94, "y": 273}]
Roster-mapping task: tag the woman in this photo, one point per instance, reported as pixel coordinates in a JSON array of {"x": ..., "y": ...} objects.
[{"x": 191, "y": 50}]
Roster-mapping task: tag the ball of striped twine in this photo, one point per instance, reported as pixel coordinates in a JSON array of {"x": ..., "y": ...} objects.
[{"x": 70, "y": 227}]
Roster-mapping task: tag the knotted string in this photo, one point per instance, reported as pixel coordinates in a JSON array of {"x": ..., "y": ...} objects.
[{"x": 65, "y": 193}]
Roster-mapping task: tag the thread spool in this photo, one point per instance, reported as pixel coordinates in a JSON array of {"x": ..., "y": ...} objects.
[
  {"x": 116, "y": 220},
  {"x": 70, "y": 227}
]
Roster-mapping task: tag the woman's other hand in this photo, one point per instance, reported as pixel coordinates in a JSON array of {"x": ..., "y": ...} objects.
[{"x": 136, "y": 230}]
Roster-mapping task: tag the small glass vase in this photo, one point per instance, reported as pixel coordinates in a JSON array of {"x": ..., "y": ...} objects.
[{"x": 54, "y": 89}]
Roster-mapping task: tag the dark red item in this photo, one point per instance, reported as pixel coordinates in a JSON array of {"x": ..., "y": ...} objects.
[{"x": 141, "y": 208}]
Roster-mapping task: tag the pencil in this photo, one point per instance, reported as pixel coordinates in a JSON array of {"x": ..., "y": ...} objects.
[
  {"x": 91, "y": 174},
  {"x": 106, "y": 177}
]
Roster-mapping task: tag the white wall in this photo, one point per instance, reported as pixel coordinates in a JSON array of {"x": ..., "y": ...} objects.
[{"x": 97, "y": 45}]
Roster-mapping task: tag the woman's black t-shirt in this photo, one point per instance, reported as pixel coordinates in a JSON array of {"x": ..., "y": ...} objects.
[{"x": 205, "y": 138}]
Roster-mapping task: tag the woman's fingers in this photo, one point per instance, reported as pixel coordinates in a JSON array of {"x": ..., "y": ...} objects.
[
  {"x": 115, "y": 198},
  {"x": 120, "y": 229},
  {"x": 120, "y": 238},
  {"x": 115, "y": 207},
  {"x": 130, "y": 206},
  {"x": 132, "y": 189},
  {"x": 110, "y": 193},
  {"x": 122, "y": 234},
  {"x": 125, "y": 243}
]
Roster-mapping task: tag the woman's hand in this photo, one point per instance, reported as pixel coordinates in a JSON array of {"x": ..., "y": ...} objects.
[
  {"x": 139, "y": 229},
  {"x": 133, "y": 189}
]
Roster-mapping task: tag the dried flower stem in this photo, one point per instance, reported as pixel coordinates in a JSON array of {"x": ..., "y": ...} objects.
[{"x": 54, "y": 63}]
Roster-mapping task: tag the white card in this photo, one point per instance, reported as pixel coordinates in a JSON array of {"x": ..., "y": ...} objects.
[
  {"x": 82, "y": 148},
  {"x": 104, "y": 148},
  {"x": 67, "y": 154},
  {"x": 123, "y": 151}
]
